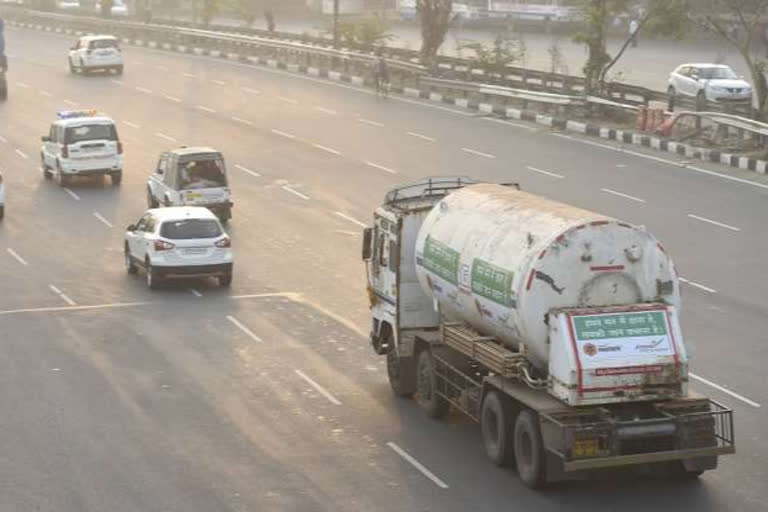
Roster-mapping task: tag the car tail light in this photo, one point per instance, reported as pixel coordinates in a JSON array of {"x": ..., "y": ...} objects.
[
  {"x": 162, "y": 245},
  {"x": 65, "y": 151},
  {"x": 119, "y": 148},
  {"x": 224, "y": 243}
]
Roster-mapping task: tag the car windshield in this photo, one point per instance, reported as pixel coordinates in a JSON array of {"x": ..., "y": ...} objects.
[
  {"x": 90, "y": 132},
  {"x": 190, "y": 228},
  {"x": 717, "y": 73},
  {"x": 198, "y": 174},
  {"x": 103, "y": 43}
]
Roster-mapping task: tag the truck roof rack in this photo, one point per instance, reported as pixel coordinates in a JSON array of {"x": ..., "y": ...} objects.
[{"x": 435, "y": 187}]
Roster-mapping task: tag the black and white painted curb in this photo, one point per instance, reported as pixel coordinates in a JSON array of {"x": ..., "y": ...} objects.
[{"x": 626, "y": 137}]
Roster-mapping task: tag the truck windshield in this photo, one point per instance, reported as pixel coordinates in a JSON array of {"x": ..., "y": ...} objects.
[
  {"x": 189, "y": 229},
  {"x": 90, "y": 132},
  {"x": 197, "y": 174}
]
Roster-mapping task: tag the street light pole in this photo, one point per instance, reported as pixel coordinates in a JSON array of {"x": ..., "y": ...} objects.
[{"x": 336, "y": 24}]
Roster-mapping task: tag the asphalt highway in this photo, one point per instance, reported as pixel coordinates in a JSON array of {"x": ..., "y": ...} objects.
[{"x": 266, "y": 396}]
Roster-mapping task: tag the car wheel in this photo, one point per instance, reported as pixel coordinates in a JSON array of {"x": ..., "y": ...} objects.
[
  {"x": 153, "y": 280},
  {"x": 119, "y": 70},
  {"x": 62, "y": 179},
  {"x": 130, "y": 265},
  {"x": 167, "y": 201},
  {"x": 671, "y": 99},
  {"x": 117, "y": 178},
  {"x": 72, "y": 68},
  {"x": 225, "y": 281},
  {"x": 46, "y": 170}
]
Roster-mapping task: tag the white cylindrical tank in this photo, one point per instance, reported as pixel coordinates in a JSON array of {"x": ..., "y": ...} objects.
[{"x": 501, "y": 260}]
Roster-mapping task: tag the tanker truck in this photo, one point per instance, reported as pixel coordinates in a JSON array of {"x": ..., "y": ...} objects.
[{"x": 555, "y": 328}]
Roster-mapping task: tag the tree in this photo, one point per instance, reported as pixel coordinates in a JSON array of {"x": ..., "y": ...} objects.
[
  {"x": 247, "y": 10},
  {"x": 106, "y": 8},
  {"x": 496, "y": 57},
  {"x": 662, "y": 17},
  {"x": 435, "y": 18},
  {"x": 208, "y": 10},
  {"x": 741, "y": 24},
  {"x": 366, "y": 33}
]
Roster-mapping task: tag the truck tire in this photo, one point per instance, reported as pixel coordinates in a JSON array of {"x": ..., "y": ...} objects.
[
  {"x": 402, "y": 374},
  {"x": 530, "y": 456},
  {"x": 496, "y": 421},
  {"x": 117, "y": 178},
  {"x": 151, "y": 201},
  {"x": 433, "y": 404}
]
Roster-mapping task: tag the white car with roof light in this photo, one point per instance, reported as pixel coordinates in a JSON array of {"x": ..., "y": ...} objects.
[
  {"x": 708, "y": 82},
  {"x": 92, "y": 53},
  {"x": 2, "y": 197},
  {"x": 194, "y": 176},
  {"x": 178, "y": 242},
  {"x": 82, "y": 143}
]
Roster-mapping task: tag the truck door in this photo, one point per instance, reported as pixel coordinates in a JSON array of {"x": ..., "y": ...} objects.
[{"x": 382, "y": 269}]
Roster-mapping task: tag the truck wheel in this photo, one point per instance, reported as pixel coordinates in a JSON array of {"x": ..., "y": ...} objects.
[
  {"x": 225, "y": 281},
  {"x": 130, "y": 266},
  {"x": 117, "y": 178},
  {"x": 401, "y": 373},
  {"x": 496, "y": 420},
  {"x": 529, "y": 450},
  {"x": 151, "y": 201},
  {"x": 701, "y": 101},
  {"x": 433, "y": 404},
  {"x": 671, "y": 99}
]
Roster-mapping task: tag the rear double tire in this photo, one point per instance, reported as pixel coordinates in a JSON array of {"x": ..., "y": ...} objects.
[
  {"x": 530, "y": 456},
  {"x": 401, "y": 374},
  {"x": 496, "y": 424}
]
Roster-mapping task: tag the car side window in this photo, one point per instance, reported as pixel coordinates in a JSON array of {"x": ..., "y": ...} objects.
[
  {"x": 142, "y": 224},
  {"x": 60, "y": 134},
  {"x": 150, "y": 225},
  {"x": 52, "y": 133},
  {"x": 162, "y": 165}
]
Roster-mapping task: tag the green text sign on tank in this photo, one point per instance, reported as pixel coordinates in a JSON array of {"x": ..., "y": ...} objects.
[
  {"x": 441, "y": 260},
  {"x": 621, "y": 325},
  {"x": 492, "y": 282}
]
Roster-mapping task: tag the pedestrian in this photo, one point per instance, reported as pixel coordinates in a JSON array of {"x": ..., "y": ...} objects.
[
  {"x": 270, "y": 17},
  {"x": 633, "y": 28}
]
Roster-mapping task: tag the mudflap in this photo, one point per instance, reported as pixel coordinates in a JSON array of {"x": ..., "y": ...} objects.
[{"x": 700, "y": 463}]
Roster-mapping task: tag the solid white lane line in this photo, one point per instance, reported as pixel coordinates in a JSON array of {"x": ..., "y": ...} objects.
[
  {"x": 326, "y": 110},
  {"x": 295, "y": 192},
  {"x": 697, "y": 285},
  {"x": 664, "y": 161},
  {"x": 288, "y": 100},
  {"x": 132, "y": 125},
  {"x": 46, "y": 94},
  {"x": 16, "y": 256},
  {"x": 242, "y": 121},
  {"x": 546, "y": 173},
  {"x": 62, "y": 295},
  {"x": 243, "y": 328},
  {"x": 724, "y": 390},
  {"x": 71, "y": 103},
  {"x": 22, "y": 154},
  {"x": 190, "y": 75},
  {"x": 713, "y": 222},
  {"x": 320, "y": 389},
  {"x": 218, "y": 82},
  {"x": 205, "y": 109},
  {"x": 380, "y": 167},
  {"x": 509, "y": 123},
  {"x": 625, "y": 196},
  {"x": 478, "y": 153},
  {"x": 372, "y": 123},
  {"x": 71, "y": 193},
  {"x": 283, "y": 134},
  {"x": 74, "y": 308},
  {"x": 172, "y": 98},
  {"x": 351, "y": 219},
  {"x": 245, "y": 169},
  {"x": 144, "y": 90},
  {"x": 195, "y": 292},
  {"x": 166, "y": 137},
  {"x": 418, "y": 465},
  {"x": 102, "y": 219},
  {"x": 115, "y": 81},
  {"x": 249, "y": 90},
  {"x": 326, "y": 149},
  {"x": 420, "y": 136},
  {"x": 22, "y": 85}
]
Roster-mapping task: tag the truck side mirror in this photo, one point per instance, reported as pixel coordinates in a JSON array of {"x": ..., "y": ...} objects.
[{"x": 367, "y": 237}]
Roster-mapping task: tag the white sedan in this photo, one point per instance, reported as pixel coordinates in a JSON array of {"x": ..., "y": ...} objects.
[
  {"x": 708, "y": 82},
  {"x": 178, "y": 242}
]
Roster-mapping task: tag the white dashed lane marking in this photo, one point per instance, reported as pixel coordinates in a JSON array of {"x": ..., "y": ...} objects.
[
  {"x": 418, "y": 465},
  {"x": 63, "y": 296},
  {"x": 714, "y": 222},
  {"x": 243, "y": 328},
  {"x": 320, "y": 389},
  {"x": 625, "y": 196},
  {"x": 351, "y": 219},
  {"x": 545, "y": 173},
  {"x": 246, "y": 170},
  {"x": 295, "y": 192},
  {"x": 101, "y": 219},
  {"x": 380, "y": 167},
  {"x": 16, "y": 256}
]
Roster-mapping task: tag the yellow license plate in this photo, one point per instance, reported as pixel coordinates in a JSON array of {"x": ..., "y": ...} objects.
[{"x": 585, "y": 448}]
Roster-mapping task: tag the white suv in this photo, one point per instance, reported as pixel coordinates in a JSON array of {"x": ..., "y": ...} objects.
[
  {"x": 708, "y": 82},
  {"x": 178, "y": 242},
  {"x": 82, "y": 143},
  {"x": 96, "y": 52}
]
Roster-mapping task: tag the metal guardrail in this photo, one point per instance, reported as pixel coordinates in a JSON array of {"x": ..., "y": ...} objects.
[{"x": 724, "y": 127}]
